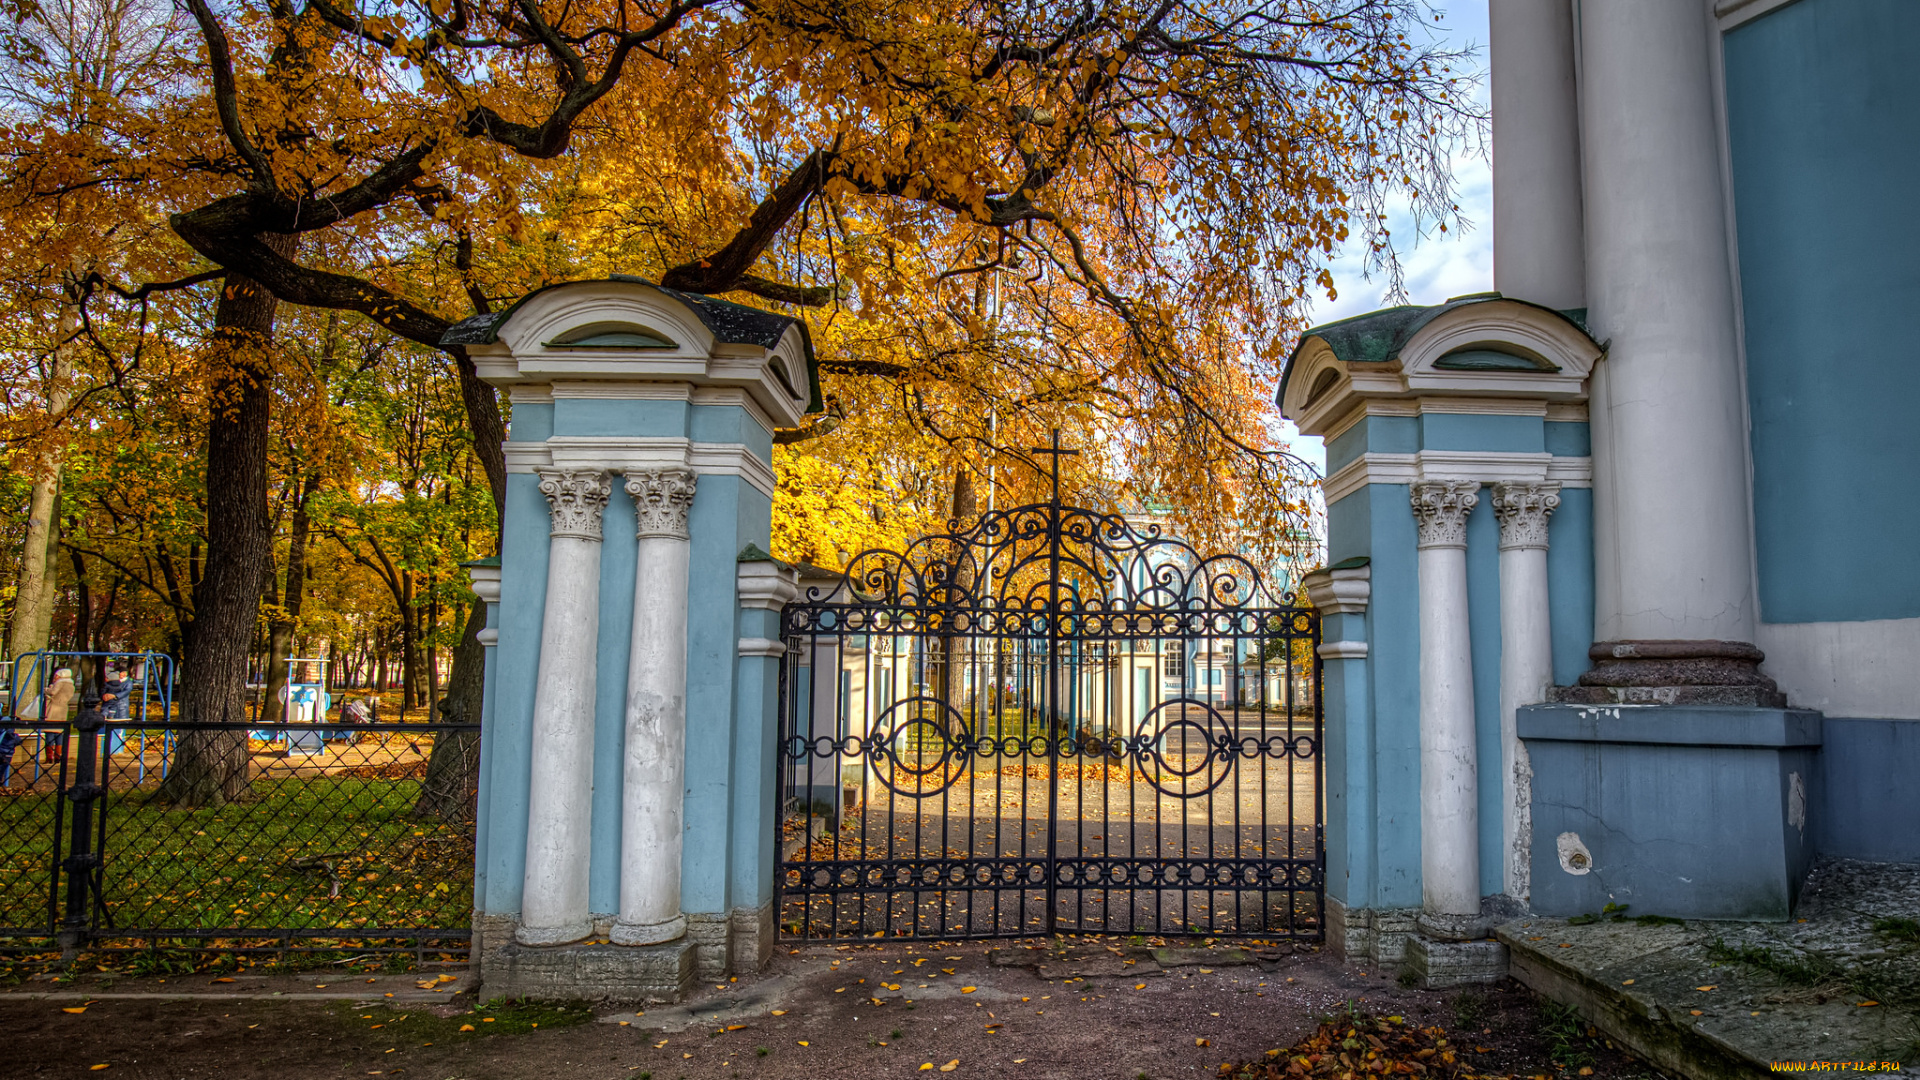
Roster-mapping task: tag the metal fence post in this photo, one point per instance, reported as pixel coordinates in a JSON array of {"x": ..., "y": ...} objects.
[{"x": 81, "y": 858}]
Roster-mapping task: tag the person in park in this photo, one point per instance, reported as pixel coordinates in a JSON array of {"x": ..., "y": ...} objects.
[
  {"x": 58, "y": 697},
  {"x": 116, "y": 694},
  {"x": 52, "y": 706}
]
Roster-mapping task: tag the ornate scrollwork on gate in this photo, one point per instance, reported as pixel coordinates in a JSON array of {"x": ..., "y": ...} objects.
[
  {"x": 919, "y": 747},
  {"x": 1052, "y": 717},
  {"x": 1038, "y": 571}
]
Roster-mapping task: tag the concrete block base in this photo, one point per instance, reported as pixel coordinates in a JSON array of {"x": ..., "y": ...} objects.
[
  {"x": 1692, "y": 812},
  {"x": 1438, "y": 965},
  {"x": 592, "y": 971},
  {"x": 1368, "y": 936}
]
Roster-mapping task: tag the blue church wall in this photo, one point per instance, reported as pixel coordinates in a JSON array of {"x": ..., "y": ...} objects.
[
  {"x": 618, "y": 417},
  {"x": 614, "y": 646},
  {"x": 1567, "y": 438},
  {"x": 1373, "y": 435},
  {"x": 1820, "y": 103},
  {"x": 1383, "y": 813},
  {"x": 509, "y": 734},
  {"x": 1483, "y": 630},
  {"x": 1499, "y": 434},
  {"x": 723, "y": 739},
  {"x": 1864, "y": 806},
  {"x": 1570, "y": 580}
]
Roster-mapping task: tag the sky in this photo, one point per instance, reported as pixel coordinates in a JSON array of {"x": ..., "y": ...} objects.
[{"x": 1441, "y": 265}]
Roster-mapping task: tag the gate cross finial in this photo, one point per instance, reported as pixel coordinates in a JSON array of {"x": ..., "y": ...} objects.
[{"x": 1054, "y": 454}]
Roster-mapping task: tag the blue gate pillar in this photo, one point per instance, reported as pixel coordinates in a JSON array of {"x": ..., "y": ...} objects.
[
  {"x": 1459, "y": 528},
  {"x": 625, "y": 834}
]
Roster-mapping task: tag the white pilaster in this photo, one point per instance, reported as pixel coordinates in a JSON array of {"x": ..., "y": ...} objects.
[
  {"x": 653, "y": 791},
  {"x": 553, "y": 905},
  {"x": 1672, "y": 557},
  {"x": 1526, "y": 655},
  {"x": 1449, "y": 788},
  {"x": 1537, "y": 250}
]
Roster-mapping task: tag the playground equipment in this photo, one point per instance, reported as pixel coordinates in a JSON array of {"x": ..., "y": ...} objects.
[
  {"x": 305, "y": 702},
  {"x": 148, "y": 699}
]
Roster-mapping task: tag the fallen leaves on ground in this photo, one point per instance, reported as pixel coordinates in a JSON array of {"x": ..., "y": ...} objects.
[{"x": 1352, "y": 1047}]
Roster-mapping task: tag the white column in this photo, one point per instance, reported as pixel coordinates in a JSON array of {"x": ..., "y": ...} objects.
[
  {"x": 553, "y": 904},
  {"x": 1671, "y": 546},
  {"x": 1526, "y": 655},
  {"x": 1449, "y": 789},
  {"x": 653, "y": 791},
  {"x": 1537, "y": 249}
]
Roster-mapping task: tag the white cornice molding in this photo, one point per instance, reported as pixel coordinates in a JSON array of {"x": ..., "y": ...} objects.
[
  {"x": 1481, "y": 466},
  {"x": 1566, "y": 412},
  {"x": 485, "y": 582},
  {"x": 766, "y": 586},
  {"x": 775, "y": 378},
  {"x": 1571, "y": 471},
  {"x": 623, "y": 391},
  {"x": 1343, "y": 650},
  {"x": 530, "y": 394},
  {"x": 1341, "y": 590},
  {"x": 759, "y": 646},
  {"x": 1470, "y": 406},
  {"x": 1487, "y": 467},
  {"x": 621, "y": 453}
]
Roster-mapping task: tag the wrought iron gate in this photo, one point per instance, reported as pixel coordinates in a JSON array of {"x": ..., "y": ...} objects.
[{"x": 1056, "y": 720}]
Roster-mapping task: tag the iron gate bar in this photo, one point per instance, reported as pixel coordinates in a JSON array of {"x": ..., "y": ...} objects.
[{"x": 1014, "y": 583}]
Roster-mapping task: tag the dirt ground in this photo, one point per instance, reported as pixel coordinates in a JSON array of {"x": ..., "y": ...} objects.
[{"x": 1011, "y": 1011}]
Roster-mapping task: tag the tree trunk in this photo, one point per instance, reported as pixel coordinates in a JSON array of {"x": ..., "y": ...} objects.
[
  {"x": 453, "y": 769},
  {"x": 460, "y": 755},
  {"x": 409, "y": 645},
  {"x": 210, "y": 767},
  {"x": 954, "y": 651},
  {"x": 280, "y": 632},
  {"x": 38, "y": 589}
]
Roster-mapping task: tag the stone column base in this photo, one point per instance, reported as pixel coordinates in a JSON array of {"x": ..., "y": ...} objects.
[
  {"x": 1672, "y": 673},
  {"x": 591, "y": 971},
  {"x": 731, "y": 943},
  {"x": 1367, "y": 935}
]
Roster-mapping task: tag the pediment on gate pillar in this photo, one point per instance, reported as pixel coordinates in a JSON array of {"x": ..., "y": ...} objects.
[
  {"x": 1483, "y": 346},
  {"x": 627, "y": 329}
]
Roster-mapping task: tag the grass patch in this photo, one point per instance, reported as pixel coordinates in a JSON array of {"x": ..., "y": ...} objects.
[
  {"x": 301, "y": 852},
  {"x": 1568, "y": 1038},
  {"x": 1804, "y": 970},
  {"x": 1900, "y": 929},
  {"x": 1469, "y": 1009}
]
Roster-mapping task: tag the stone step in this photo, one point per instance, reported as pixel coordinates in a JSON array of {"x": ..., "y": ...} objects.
[{"x": 1655, "y": 988}]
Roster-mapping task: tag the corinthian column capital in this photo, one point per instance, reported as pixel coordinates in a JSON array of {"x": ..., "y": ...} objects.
[
  {"x": 1440, "y": 509},
  {"x": 661, "y": 499},
  {"x": 1523, "y": 510},
  {"x": 576, "y": 498}
]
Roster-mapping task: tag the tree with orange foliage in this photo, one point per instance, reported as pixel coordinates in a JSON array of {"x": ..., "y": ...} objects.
[{"x": 1155, "y": 186}]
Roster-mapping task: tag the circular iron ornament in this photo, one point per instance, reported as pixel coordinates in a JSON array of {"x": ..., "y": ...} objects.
[
  {"x": 1182, "y": 754},
  {"x": 920, "y": 748}
]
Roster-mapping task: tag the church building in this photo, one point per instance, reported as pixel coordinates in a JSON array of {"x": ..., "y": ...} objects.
[{"x": 1623, "y": 602}]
